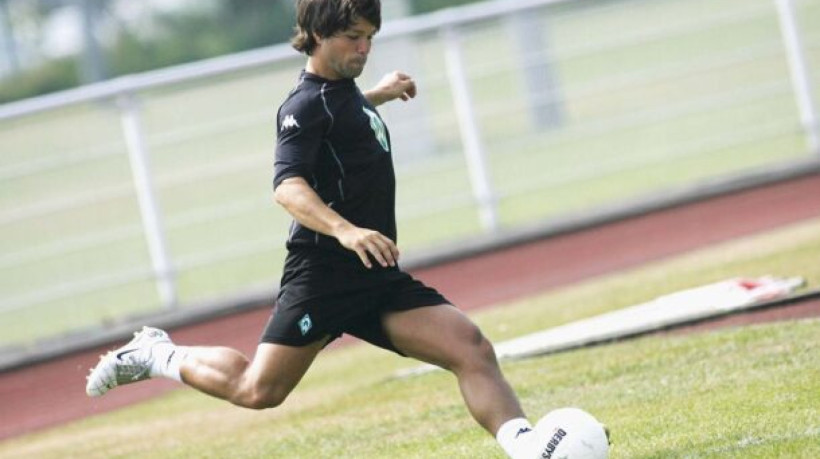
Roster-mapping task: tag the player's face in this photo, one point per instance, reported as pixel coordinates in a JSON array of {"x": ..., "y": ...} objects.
[{"x": 343, "y": 55}]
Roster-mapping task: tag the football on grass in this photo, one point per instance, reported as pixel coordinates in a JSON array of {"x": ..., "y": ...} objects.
[{"x": 572, "y": 433}]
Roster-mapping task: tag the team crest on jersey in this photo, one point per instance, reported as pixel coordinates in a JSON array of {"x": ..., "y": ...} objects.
[
  {"x": 378, "y": 128},
  {"x": 289, "y": 122}
]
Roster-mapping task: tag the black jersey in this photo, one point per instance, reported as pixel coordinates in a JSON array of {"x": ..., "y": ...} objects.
[{"x": 331, "y": 136}]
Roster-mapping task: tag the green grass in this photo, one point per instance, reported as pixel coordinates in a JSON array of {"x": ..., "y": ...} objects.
[
  {"x": 745, "y": 392},
  {"x": 648, "y": 105}
]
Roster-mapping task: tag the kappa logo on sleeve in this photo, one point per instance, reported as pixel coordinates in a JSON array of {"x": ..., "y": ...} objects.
[{"x": 289, "y": 122}]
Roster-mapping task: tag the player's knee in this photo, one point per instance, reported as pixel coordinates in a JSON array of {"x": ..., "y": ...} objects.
[
  {"x": 479, "y": 352},
  {"x": 267, "y": 401},
  {"x": 479, "y": 344},
  {"x": 485, "y": 352},
  {"x": 251, "y": 394},
  {"x": 263, "y": 399}
]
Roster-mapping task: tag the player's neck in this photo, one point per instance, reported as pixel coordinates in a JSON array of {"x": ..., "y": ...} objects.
[{"x": 317, "y": 67}]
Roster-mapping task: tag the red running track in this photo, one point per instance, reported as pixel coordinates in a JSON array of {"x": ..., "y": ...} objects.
[{"x": 51, "y": 393}]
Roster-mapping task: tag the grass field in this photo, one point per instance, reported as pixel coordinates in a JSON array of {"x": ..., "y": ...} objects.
[
  {"x": 687, "y": 91},
  {"x": 735, "y": 393}
]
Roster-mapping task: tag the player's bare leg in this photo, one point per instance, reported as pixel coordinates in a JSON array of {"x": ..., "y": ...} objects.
[
  {"x": 263, "y": 382},
  {"x": 444, "y": 336},
  {"x": 222, "y": 372}
]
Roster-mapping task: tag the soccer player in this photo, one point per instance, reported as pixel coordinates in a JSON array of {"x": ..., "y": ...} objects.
[{"x": 334, "y": 174}]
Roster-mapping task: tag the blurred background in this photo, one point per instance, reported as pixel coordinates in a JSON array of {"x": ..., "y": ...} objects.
[
  {"x": 50, "y": 45},
  {"x": 136, "y": 138}
]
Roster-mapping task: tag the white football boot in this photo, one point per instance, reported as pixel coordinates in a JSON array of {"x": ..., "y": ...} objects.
[{"x": 126, "y": 365}]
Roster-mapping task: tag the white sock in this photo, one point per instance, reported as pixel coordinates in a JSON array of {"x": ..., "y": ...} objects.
[
  {"x": 167, "y": 359},
  {"x": 517, "y": 438}
]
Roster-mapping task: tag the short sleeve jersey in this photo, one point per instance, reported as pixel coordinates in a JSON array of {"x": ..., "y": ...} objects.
[{"x": 331, "y": 136}]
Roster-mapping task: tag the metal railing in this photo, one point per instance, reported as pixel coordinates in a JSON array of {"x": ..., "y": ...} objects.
[{"x": 476, "y": 156}]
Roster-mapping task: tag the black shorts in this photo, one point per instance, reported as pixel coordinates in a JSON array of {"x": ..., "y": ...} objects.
[{"x": 326, "y": 301}]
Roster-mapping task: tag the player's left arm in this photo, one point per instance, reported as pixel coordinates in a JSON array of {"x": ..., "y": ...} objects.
[{"x": 394, "y": 85}]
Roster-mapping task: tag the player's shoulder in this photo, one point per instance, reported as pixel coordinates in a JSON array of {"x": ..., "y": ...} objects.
[
  {"x": 304, "y": 110},
  {"x": 305, "y": 97}
]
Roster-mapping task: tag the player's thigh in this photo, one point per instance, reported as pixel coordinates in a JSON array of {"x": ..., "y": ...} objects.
[
  {"x": 278, "y": 367},
  {"x": 441, "y": 335}
]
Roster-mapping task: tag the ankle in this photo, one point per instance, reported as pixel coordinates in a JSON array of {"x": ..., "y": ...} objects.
[
  {"x": 167, "y": 361},
  {"x": 517, "y": 438}
]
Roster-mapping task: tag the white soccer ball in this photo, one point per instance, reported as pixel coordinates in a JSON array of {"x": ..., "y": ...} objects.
[{"x": 572, "y": 433}]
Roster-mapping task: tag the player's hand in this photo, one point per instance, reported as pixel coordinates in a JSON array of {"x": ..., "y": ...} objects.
[
  {"x": 367, "y": 242},
  {"x": 394, "y": 85}
]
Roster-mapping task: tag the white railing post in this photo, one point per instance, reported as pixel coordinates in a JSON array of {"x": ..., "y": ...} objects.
[
  {"x": 151, "y": 220},
  {"x": 468, "y": 127},
  {"x": 537, "y": 68},
  {"x": 799, "y": 73}
]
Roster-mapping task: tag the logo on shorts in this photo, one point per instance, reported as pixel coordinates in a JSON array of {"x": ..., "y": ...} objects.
[{"x": 305, "y": 324}]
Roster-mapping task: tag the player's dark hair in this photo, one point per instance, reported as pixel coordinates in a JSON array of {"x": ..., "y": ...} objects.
[{"x": 325, "y": 18}]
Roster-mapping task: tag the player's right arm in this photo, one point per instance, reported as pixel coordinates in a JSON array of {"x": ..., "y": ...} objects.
[
  {"x": 303, "y": 122},
  {"x": 302, "y": 202}
]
